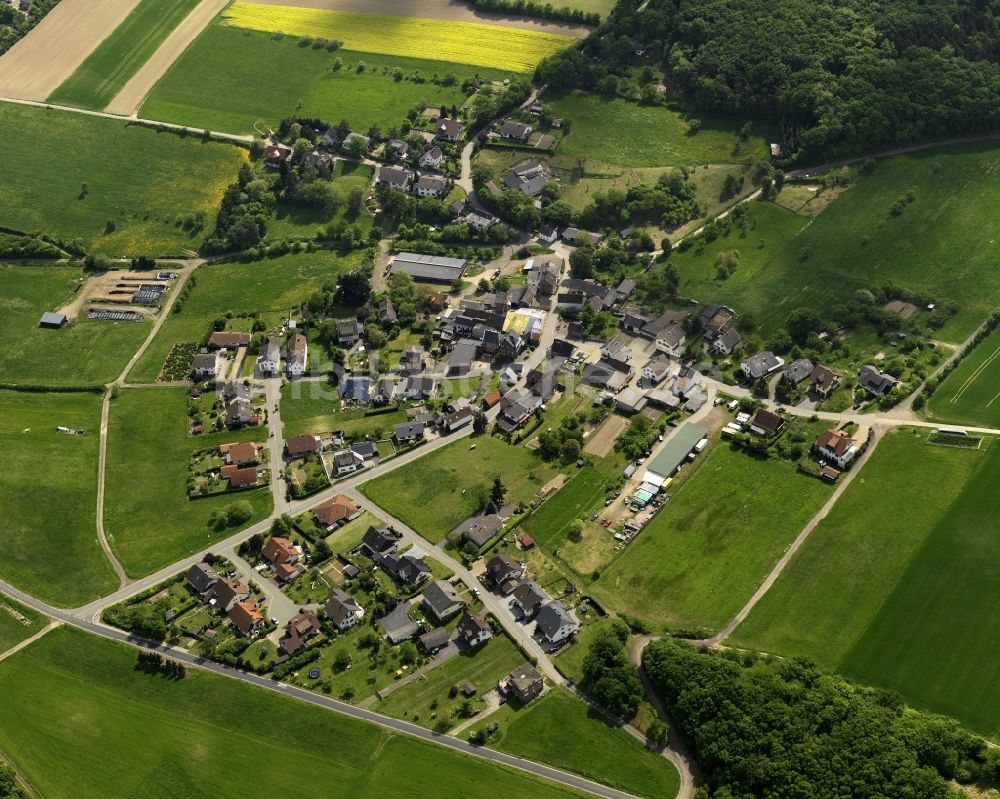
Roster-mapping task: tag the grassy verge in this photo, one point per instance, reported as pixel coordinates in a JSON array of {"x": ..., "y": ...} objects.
[{"x": 17, "y": 623}]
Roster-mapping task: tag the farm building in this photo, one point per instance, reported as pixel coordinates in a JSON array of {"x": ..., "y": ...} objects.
[
  {"x": 674, "y": 452},
  {"x": 431, "y": 268},
  {"x": 51, "y": 319}
]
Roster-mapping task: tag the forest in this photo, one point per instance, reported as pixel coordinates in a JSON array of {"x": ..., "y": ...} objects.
[
  {"x": 785, "y": 728},
  {"x": 836, "y": 77}
]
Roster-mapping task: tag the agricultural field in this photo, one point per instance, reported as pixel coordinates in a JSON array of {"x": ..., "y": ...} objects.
[
  {"x": 833, "y": 588},
  {"x": 713, "y": 543},
  {"x": 561, "y": 730},
  {"x": 119, "y": 189},
  {"x": 244, "y": 748},
  {"x": 49, "y": 483},
  {"x": 936, "y": 638},
  {"x": 201, "y": 89},
  {"x": 657, "y": 136},
  {"x": 17, "y": 623},
  {"x": 434, "y": 494},
  {"x": 270, "y": 287},
  {"x": 82, "y": 353},
  {"x": 108, "y": 68},
  {"x": 489, "y": 46},
  {"x": 602, "y": 7},
  {"x": 970, "y": 394},
  {"x": 149, "y": 519},
  {"x": 791, "y": 261}
]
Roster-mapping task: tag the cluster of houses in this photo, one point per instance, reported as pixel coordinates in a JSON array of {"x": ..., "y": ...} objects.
[
  {"x": 229, "y": 596},
  {"x": 554, "y": 621},
  {"x": 295, "y": 351}
]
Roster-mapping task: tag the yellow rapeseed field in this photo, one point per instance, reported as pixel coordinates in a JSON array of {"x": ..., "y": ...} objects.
[{"x": 439, "y": 40}]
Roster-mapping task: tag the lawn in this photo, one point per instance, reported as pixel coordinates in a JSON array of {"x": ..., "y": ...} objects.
[
  {"x": 205, "y": 736},
  {"x": 119, "y": 189},
  {"x": 561, "y": 730},
  {"x": 291, "y": 221},
  {"x": 713, "y": 543},
  {"x": 106, "y": 70},
  {"x": 602, "y": 7},
  {"x": 936, "y": 638},
  {"x": 969, "y": 394},
  {"x": 581, "y": 495},
  {"x": 941, "y": 244},
  {"x": 49, "y": 482},
  {"x": 490, "y": 46},
  {"x": 149, "y": 519},
  {"x": 570, "y": 658},
  {"x": 201, "y": 89},
  {"x": 425, "y": 700},
  {"x": 313, "y": 407},
  {"x": 17, "y": 623},
  {"x": 270, "y": 287},
  {"x": 656, "y": 136},
  {"x": 435, "y": 493},
  {"x": 835, "y": 585},
  {"x": 82, "y": 353}
]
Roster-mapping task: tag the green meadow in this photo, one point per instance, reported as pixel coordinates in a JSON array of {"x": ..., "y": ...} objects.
[
  {"x": 106, "y": 70},
  {"x": 207, "y": 735},
  {"x": 148, "y": 518},
  {"x": 717, "y": 538},
  {"x": 278, "y": 77},
  {"x": 940, "y": 244},
  {"x": 119, "y": 189},
  {"x": 81, "y": 353},
  {"x": 970, "y": 394},
  {"x": 49, "y": 485},
  {"x": 17, "y": 623}
]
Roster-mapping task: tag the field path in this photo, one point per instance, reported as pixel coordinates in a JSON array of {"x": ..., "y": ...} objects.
[
  {"x": 796, "y": 545},
  {"x": 38, "y": 64},
  {"x": 141, "y": 84},
  {"x": 451, "y": 10},
  {"x": 30, "y": 640}
]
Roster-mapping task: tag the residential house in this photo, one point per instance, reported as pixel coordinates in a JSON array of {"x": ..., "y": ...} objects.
[
  {"x": 457, "y": 420},
  {"x": 575, "y": 236},
  {"x": 528, "y": 597},
  {"x": 298, "y": 632},
  {"x": 562, "y": 349},
  {"x": 511, "y": 345},
  {"x": 727, "y": 343},
  {"x": 556, "y": 622},
  {"x": 630, "y": 401},
  {"x": 397, "y": 624},
  {"x": 412, "y": 360},
  {"x": 285, "y": 557},
  {"x": 246, "y": 618},
  {"x": 237, "y": 405},
  {"x": 524, "y": 684},
  {"x": 331, "y": 139},
  {"x": 349, "y": 331},
  {"x": 347, "y": 461},
  {"x": 276, "y": 155},
  {"x": 323, "y": 163},
  {"x": 352, "y": 137},
  {"x": 875, "y": 382},
  {"x": 377, "y": 541},
  {"x": 242, "y": 454},
  {"x": 716, "y": 320},
  {"x": 386, "y": 313},
  {"x": 528, "y": 178},
  {"x": 366, "y": 449},
  {"x": 656, "y": 369},
  {"x": 473, "y": 630},
  {"x": 449, "y": 129},
  {"x": 355, "y": 389},
  {"x": 547, "y": 234},
  {"x": 480, "y": 221},
  {"x": 202, "y": 578},
  {"x": 269, "y": 361},
  {"x": 797, "y": 371},
  {"x": 343, "y": 610},
  {"x": 441, "y": 600},
  {"x": 408, "y": 432},
  {"x": 625, "y": 289},
  {"x": 463, "y": 355},
  {"x": 394, "y": 177},
  {"x": 300, "y": 446},
  {"x": 516, "y": 131},
  {"x": 823, "y": 380},
  {"x": 405, "y": 570},
  {"x": 387, "y": 390},
  {"x": 397, "y": 149},
  {"x": 617, "y": 349},
  {"x": 336, "y": 511},
  {"x": 205, "y": 365},
  {"x": 608, "y": 374},
  {"x": 240, "y": 478},
  {"x": 419, "y": 387},
  {"x": 634, "y": 323},
  {"x": 837, "y": 447},
  {"x": 760, "y": 365},
  {"x": 223, "y": 340},
  {"x": 505, "y": 573},
  {"x": 296, "y": 351},
  {"x": 480, "y": 529},
  {"x": 227, "y": 592},
  {"x": 432, "y": 159},
  {"x": 766, "y": 424},
  {"x": 431, "y": 186}
]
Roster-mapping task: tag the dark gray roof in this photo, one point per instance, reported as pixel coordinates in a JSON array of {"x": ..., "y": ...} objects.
[
  {"x": 441, "y": 597},
  {"x": 798, "y": 370},
  {"x": 435, "y": 639},
  {"x": 553, "y": 616},
  {"x": 480, "y": 529},
  {"x": 397, "y": 623}
]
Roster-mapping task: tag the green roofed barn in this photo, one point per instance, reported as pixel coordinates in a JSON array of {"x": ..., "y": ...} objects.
[{"x": 674, "y": 452}]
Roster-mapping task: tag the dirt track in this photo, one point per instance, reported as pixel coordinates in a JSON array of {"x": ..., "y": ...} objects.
[
  {"x": 141, "y": 84},
  {"x": 38, "y": 64},
  {"x": 453, "y": 10}
]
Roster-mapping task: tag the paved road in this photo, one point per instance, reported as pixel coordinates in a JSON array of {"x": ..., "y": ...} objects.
[
  {"x": 361, "y": 714},
  {"x": 275, "y": 445}
]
